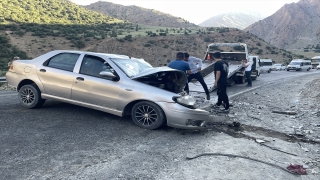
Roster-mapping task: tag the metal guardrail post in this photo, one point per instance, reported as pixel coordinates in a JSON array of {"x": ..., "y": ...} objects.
[{"x": 3, "y": 79}]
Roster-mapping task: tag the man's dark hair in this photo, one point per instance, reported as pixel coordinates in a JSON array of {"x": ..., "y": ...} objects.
[
  {"x": 180, "y": 55},
  {"x": 186, "y": 55},
  {"x": 216, "y": 55}
]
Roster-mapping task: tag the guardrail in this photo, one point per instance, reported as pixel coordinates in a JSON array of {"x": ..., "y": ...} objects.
[{"x": 3, "y": 80}]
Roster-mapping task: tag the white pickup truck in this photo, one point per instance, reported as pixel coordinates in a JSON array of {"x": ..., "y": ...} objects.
[{"x": 233, "y": 54}]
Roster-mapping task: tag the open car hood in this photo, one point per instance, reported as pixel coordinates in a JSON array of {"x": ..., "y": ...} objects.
[
  {"x": 157, "y": 70},
  {"x": 163, "y": 77}
]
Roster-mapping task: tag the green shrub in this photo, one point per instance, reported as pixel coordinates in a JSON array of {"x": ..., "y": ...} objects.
[
  {"x": 180, "y": 41},
  {"x": 207, "y": 39}
]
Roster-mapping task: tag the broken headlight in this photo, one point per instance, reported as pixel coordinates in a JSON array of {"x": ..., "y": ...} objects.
[{"x": 187, "y": 101}]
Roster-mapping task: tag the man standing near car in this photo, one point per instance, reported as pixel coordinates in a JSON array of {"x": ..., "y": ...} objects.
[
  {"x": 180, "y": 64},
  {"x": 221, "y": 70},
  {"x": 195, "y": 66},
  {"x": 247, "y": 65}
]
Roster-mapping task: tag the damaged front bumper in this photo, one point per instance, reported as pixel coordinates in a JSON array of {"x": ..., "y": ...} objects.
[{"x": 182, "y": 117}]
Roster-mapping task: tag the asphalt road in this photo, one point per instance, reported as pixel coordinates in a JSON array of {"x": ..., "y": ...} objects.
[{"x": 63, "y": 141}]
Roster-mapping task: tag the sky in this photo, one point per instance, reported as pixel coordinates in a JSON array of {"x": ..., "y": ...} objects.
[{"x": 197, "y": 11}]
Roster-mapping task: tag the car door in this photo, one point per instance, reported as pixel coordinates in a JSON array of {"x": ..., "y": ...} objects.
[
  {"x": 90, "y": 87},
  {"x": 56, "y": 74}
]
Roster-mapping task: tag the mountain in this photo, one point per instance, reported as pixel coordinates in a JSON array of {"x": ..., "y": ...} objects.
[
  {"x": 139, "y": 15},
  {"x": 238, "y": 20},
  {"x": 294, "y": 26},
  {"x": 34, "y": 27}
]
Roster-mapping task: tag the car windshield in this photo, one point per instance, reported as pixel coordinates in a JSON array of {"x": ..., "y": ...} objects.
[
  {"x": 295, "y": 63},
  {"x": 132, "y": 67},
  {"x": 277, "y": 64}
]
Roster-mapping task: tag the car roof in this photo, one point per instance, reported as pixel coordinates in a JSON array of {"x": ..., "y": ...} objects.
[
  {"x": 300, "y": 60},
  {"x": 96, "y": 53}
]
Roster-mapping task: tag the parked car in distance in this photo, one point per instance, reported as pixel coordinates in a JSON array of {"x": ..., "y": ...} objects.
[
  {"x": 278, "y": 67},
  {"x": 115, "y": 84}
]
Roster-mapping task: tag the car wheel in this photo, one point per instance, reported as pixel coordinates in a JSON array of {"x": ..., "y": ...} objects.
[
  {"x": 148, "y": 115},
  {"x": 30, "y": 96},
  {"x": 269, "y": 71}
]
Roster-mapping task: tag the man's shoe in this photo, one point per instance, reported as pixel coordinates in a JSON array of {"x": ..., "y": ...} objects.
[
  {"x": 208, "y": 96},
  {"x": 216, "y": 106},
  {"x": 249, "y": 85},
  {"x": 224, "y": 111}
]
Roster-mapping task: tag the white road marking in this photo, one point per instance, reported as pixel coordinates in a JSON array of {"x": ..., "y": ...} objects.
[
  {"x": 236, "y": 94},
  {"x": 8, "y": 94}
]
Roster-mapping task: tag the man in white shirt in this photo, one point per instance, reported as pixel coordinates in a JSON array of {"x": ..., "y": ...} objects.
[
  {"x": 247, "y": 65},
  {"x": 195, "y": 66}
]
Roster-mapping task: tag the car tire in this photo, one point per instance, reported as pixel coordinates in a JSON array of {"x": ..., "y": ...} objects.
[
  {"x": 30, "y": 96},
  {"x": 148, "y": 115},
  {"x": 269, "y": 71}
]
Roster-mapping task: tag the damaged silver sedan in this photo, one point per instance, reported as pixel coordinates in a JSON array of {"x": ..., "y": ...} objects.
[{"x": 115, "y": 84}]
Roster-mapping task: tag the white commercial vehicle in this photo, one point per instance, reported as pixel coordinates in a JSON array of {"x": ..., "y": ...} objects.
[
  {"x": 315, "y": 61},
  {"x": 233, "y": 54},
  {"x": 299, "y": 65},
  {"x": 266, "y": 65}
]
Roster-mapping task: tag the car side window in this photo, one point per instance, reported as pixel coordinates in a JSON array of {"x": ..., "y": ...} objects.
[
  {"x": 64, "y": 61},
  {"x": 92, "y": 66}
]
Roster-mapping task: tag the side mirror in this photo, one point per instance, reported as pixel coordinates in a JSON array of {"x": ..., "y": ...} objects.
[{"x": 109, "y": 75}]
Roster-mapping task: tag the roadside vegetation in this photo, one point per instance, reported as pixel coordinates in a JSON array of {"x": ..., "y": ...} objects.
[{"x": 7, "y": 52}]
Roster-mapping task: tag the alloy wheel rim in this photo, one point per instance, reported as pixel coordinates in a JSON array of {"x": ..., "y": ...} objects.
[
  {"x": 27, "y": 96},
  {"x": 146, "y": 115}
]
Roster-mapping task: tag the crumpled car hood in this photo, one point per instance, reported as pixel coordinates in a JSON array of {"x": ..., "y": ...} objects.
[
  {"x": 170, "y": 79},
  {"x": 155, "y": 70}
]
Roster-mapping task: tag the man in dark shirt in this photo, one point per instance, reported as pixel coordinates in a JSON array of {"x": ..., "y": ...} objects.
[
  {"x": 180, "y": 64},
  {"x": 221, "y": 74}
]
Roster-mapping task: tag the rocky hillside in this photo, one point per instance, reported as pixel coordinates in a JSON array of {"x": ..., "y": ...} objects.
[
  {"x": 238, "y": 20},
  {"x": 157, "y": 50},
  {"x": 49, "y": 12},
  {"x": 294, "y": 26},
  {"x": 139, "y": 15},
  {"x": 33, "y": 33}
]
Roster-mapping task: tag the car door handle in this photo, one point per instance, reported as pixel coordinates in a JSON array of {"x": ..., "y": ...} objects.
[
  {"x": 80, "y": 78},
  {"x": 42, "y": 70}
]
